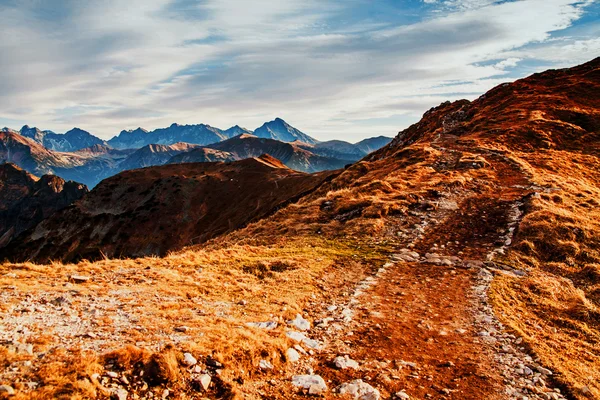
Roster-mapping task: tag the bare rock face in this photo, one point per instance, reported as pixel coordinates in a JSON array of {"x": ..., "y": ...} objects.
[{"x": 26, "y": 200}]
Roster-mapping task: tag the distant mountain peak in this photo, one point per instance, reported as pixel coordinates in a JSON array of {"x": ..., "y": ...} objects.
[{"x": 280, "y": 130}]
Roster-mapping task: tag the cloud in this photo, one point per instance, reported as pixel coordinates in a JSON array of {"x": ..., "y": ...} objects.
[{"x": 119, "y": 64}]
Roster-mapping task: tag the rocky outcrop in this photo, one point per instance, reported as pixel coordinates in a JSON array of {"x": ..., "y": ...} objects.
[{"x": 26, "y": 200}]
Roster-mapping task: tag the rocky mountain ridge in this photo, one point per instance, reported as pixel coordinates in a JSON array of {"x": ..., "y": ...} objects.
[{"x": 26, "y": 200}]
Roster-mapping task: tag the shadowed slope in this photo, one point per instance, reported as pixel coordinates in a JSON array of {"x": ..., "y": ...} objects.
[
  {"x": 154, "y": 210},
  {"x": 26, "y": 200}
]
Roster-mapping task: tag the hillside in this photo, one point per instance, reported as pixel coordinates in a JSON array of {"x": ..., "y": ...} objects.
[
  {"x": 153, "y": 154},
  {"x": 248, "y": 146},
  {"x": 154, "y": 210},
  {"x": 458, "y": 262},
  {"x": 26, "y": 200}
]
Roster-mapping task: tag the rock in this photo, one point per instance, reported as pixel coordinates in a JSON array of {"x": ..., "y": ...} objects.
[
  {"x": 292, "y": 355},
  {"x": 544, "y": 371},
  {"x": 402, "y": 395},
  {"x": 80, "y": 278},
  {"x": 165, "y": 393},
  {"x": 359, "y": 390},
  {"x": 269, "y": 325},
  {"x": 182, "y": 329},
  {"x": 7, "y": 390},
  {"x": 296, "y": 336},
  {"x": 189, "y": 360},
  {"x": 331, "y": 308},
  {"x": 313, "y": 383},
  {"x": 312, "y": 344},
  {"x": 300, "y": 323},
  {"x": 112, "y": 374},
  {"x": 316, "y": 390},
  {"x": 264, "y": 364},
  {"x": 343, "y": 362},
  {"x": 119, "y": 394},
  {"x": 204, "y": 381}
]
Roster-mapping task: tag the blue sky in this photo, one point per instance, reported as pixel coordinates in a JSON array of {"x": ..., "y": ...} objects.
[{"x": 336, "y": 69}]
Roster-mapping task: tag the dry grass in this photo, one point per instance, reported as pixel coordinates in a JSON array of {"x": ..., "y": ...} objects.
[
  {"x": 214, "y": 291},
  {"x": 556, "y": 308}
]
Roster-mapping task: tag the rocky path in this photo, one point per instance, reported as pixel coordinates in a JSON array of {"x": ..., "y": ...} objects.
[{"x": 421, "y": 327}]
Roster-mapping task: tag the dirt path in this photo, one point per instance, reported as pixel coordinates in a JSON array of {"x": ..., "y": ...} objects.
[{"x": 422, "y": 325}]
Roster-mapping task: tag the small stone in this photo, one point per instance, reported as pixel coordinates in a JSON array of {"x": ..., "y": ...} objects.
[
  {"x": 312, "y": 383},
  {"x": 264, "y": 364},
  {"x": 402, "y": 395},
  {"x": 112, "y": 374},
  {"x": 119, "y": 394},
  {"x": 189, "y": 360},
  {"x": 204, "y": 381},
  {"x": 359, "y": 390},
  {"x": 300, "y": 323},
  {"x": 80, "y": 278},
  {"x": 182, "y": 329},
  {"x": 544, "y": 371},
  {"x": 292, "y": 355},
  {"x": 268, "y": 325},
  {"x": 165, "y": 393},
  {"x": 7, "y": 389},
  {"x": 343, "y": 362}
]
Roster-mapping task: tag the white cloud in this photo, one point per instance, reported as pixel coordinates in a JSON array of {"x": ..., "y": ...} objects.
[{"x": 119, "y": 64}]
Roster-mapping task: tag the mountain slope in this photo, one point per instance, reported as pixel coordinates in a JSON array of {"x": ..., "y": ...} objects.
[
  {"x": 506, "y": 186},
  {"x": 370, "y": 145},
  {"x": 153, "y": 154},
  {"x": 26, "y": 200},
  {"x": 155, "y": 210},
  {"x": 203, "y": 154},
  {"x": 248, "y": 146},
  {"x": 280, "y": 130},
  {"x": 236, "y": 131}
]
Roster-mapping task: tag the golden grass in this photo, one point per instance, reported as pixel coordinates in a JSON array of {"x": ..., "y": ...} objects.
[
  {"x": 214, "y": 291},
  {"x": 555, "y": 308}
]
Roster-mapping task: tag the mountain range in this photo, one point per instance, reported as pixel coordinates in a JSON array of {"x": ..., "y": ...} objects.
[{"x": 80, "y": 156}]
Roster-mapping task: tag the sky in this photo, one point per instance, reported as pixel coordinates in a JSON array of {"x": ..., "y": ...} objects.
[{"x": 335, "y": 69}]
